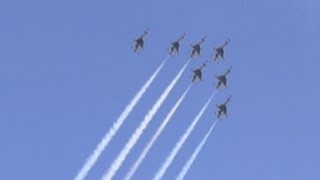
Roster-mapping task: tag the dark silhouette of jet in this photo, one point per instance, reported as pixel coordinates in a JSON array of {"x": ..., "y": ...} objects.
[
  {"x": 139, "y": 42},
  {"x": 197, "y": 73},
  {"x": 222, "y": 108},
  {"x": 219, "y": 52},
  {"x": 196, "y": 48},
  {"x": 175, "y": 46},
  {"x": 222, "y": 79}
]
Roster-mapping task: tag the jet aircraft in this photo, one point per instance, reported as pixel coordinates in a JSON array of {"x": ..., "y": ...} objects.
[
  {"x": 223, "y": 108},
  {"x": 175, "y": 46},
  {"x": 222, "y": 79},
  {"x": 196, "y": 48},
  {"x": 197, "y": 73},
  {"x": 139, "y": 42},
  {"x": 219, "y": 52}
]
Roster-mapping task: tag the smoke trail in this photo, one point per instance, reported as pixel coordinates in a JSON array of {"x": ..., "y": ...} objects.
[
  {"x": 155, "y": 136},
  {"x": 181, "y": 141},
  {"x": 135, "y": 137},
  {"x": 194, "y": 155},
  {"x": 90, "y": 162}
]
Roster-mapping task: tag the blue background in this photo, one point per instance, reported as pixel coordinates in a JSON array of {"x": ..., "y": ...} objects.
[{"x": 67, "y": 70}]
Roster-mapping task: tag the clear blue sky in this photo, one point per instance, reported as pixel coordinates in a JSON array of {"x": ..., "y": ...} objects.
[{"x": 67, "y": 70}]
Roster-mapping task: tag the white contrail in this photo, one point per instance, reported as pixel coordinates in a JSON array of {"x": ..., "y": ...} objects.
[
  {"x": 194, "y": 155},
  {"x": 136, "y": 135},
  {"x": 90, "y": 162},
  {"x": 156, "y": 135},
  {"x": 181, "y": 141}
]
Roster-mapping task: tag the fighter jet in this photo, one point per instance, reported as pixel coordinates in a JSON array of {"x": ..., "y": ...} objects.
[
  {"x": 196, "y": 48},
  {"x": 139, "y": 42},
  {"x": 223, "y": 108},
  {"x": 219, "y": 52},
  {"x": 175, "y": 46},
  {"x": 222, "y": 79},
  {"x": 197, "y": 73}
]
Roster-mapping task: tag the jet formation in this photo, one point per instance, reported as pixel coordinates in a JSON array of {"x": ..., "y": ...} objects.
[{"x": 197, "y": 75}]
